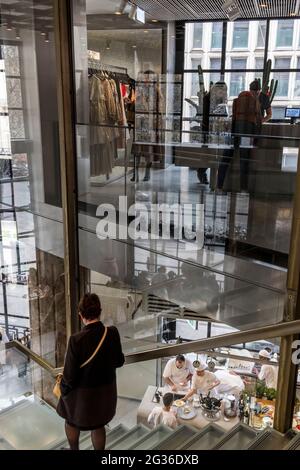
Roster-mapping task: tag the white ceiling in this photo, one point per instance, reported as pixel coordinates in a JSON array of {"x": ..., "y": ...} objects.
[
  {"x": 130, "y": 37},
  {"x": 103, "y": 7}
]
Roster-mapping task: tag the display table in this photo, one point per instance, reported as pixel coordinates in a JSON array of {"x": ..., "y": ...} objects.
[{"x": 198, "y": 422}]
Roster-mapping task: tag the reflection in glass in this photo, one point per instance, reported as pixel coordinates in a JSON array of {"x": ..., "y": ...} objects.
[
  {"x": 216, "y": 38},
  {"x": 237, "y": 79},
  {"x": 285, "y": 31},
  {"x": 197, "y": 37},
  {"x": 282, "y": 77},
  {"x": 240, "y": 34},
  {"x": 261, "y": 33}
]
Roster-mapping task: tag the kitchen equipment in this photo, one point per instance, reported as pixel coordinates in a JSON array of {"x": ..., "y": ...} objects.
[{"x": 230, "y": 406}]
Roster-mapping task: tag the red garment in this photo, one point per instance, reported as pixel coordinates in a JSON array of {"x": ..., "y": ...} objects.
[{"x": 123, "y": 90}]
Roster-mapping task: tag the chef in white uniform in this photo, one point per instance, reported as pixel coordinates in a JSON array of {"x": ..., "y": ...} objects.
[
  {"x": 203, "y": 381},
  {"x": 230, "y": 384},
  {"x": 178, "y": 374},
  {"x": 268, "y": 373}
]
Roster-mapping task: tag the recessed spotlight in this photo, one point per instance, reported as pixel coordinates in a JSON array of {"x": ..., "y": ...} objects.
[
  {"x": 18, "y": 34},
  {"x": 9, "y": 26},
  {"x": 154, "y": 21},
  {"x": 47, "y": 39},
  {"x": 134, "y": 46},
  {"x": 146, "y": 31},
  {"x": 43, "y": 33}
]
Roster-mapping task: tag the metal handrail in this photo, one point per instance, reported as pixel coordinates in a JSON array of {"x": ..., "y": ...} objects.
[
  {"x": 265, "y": 332},
  {"x": 206, "y": 345},
  {"x": 54, "y": 371}
]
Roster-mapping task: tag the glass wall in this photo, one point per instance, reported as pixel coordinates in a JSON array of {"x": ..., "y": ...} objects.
[
  {"x": 32, "y": 305},
  {"x": 142, "y": 136}
]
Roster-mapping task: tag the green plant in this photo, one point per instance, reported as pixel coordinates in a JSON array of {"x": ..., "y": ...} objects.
[
  {"x": 270, "y": 393},
  {"x": 260, "y": 389},
  {"x": 263, "y": 391},
  {"x": 267, "y": 89}
]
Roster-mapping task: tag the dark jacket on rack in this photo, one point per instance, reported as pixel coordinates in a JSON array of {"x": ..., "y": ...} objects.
[{"x": 89, "y": 394}]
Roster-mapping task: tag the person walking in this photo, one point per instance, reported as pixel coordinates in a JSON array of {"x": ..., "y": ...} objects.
[{"x": 88, "y": 385}]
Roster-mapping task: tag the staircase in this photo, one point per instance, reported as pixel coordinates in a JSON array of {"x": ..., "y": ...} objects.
[{"x": 31, "y": 424}]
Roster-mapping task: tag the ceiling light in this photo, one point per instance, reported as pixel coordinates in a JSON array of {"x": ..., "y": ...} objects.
[
  {"x": 107, "y": 45},
  {"x": 146, "y": 31},
  {"x": 154, "y": 21},
  {"x": 132, "y": 13},
  {"x": 134, "y": 46},
  {"x": 43, "y": 33},
  {"x": 18, "y": 34},
  {"x": 9, "y": 26},
  {"x": 47, "y": 39},
  {"x": 231, "y": 9},
  {"x": 121, "y": 8},
  {"x": 263, "y": 5}
]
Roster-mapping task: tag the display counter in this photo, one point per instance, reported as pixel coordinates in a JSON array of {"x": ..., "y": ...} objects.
[{"x": 198, "y": 421}]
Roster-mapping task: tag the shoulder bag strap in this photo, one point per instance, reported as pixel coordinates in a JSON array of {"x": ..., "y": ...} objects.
[{"x": 96, "y": 350}]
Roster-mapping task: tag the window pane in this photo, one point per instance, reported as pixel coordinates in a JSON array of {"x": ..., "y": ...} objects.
[
  {"x": 285, "y": 31},
  {"x": 14, "y": 94},
  {"x": 278, "y": 112},
  {"x": 216, "y": 39},
  {"x": 240, "y": 34},
  {"x": 297, "y": 82},
  {"x": 259, "y": 64},
  {"x": 282, "y": 77},
  {"x": 197, "y": 38},
  {"x": 215, "y": 64},
  {"x": 238, "y": 79},
  {"x": 11, "y": 57},
  {"x": 16, "y": 123},
  {"x": 261, "y": 34}
]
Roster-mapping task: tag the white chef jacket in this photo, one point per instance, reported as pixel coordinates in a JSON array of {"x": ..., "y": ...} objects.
[
  {"x": 230, "y": 384},
  {"x": 159, "y": 416},
  {"x": 178, "y": 375},
  {"x": 269, "y": 374},
  {"x": 203, "y": 383}
]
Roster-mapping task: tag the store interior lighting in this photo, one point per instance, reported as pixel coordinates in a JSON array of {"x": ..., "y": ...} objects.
[
  {"x": 132, "y": 13},
  {"x": 120, "y": 10},
  {"x": 231, "y": 8}
]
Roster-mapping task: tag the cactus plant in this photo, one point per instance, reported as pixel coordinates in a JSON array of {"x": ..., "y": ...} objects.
[
  {"x": 201, "y": 93},
  {"x": 264, "y": 85}
]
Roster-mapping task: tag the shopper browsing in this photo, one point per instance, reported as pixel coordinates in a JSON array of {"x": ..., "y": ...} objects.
[{"x": 164, "y": 415}]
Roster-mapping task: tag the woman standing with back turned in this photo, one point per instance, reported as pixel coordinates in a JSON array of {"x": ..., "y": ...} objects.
[{"x": 88, "y": 386}]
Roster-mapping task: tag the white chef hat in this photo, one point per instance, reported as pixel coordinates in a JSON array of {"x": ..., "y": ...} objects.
[
  {"x": 199, "y": 365},
  {"x": 264, "y": 353}
]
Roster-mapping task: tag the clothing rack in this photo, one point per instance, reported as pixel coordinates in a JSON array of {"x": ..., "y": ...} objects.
[{"x": 98, "y": 65}]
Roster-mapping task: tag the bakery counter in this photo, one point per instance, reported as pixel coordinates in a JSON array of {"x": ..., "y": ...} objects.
[{"x": 198, "y": 421}]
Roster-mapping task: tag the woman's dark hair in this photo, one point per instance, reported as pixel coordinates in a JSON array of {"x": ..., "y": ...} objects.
[
  {"x": 168, "y": 399},
  {"x": 90, "y": 306}
]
